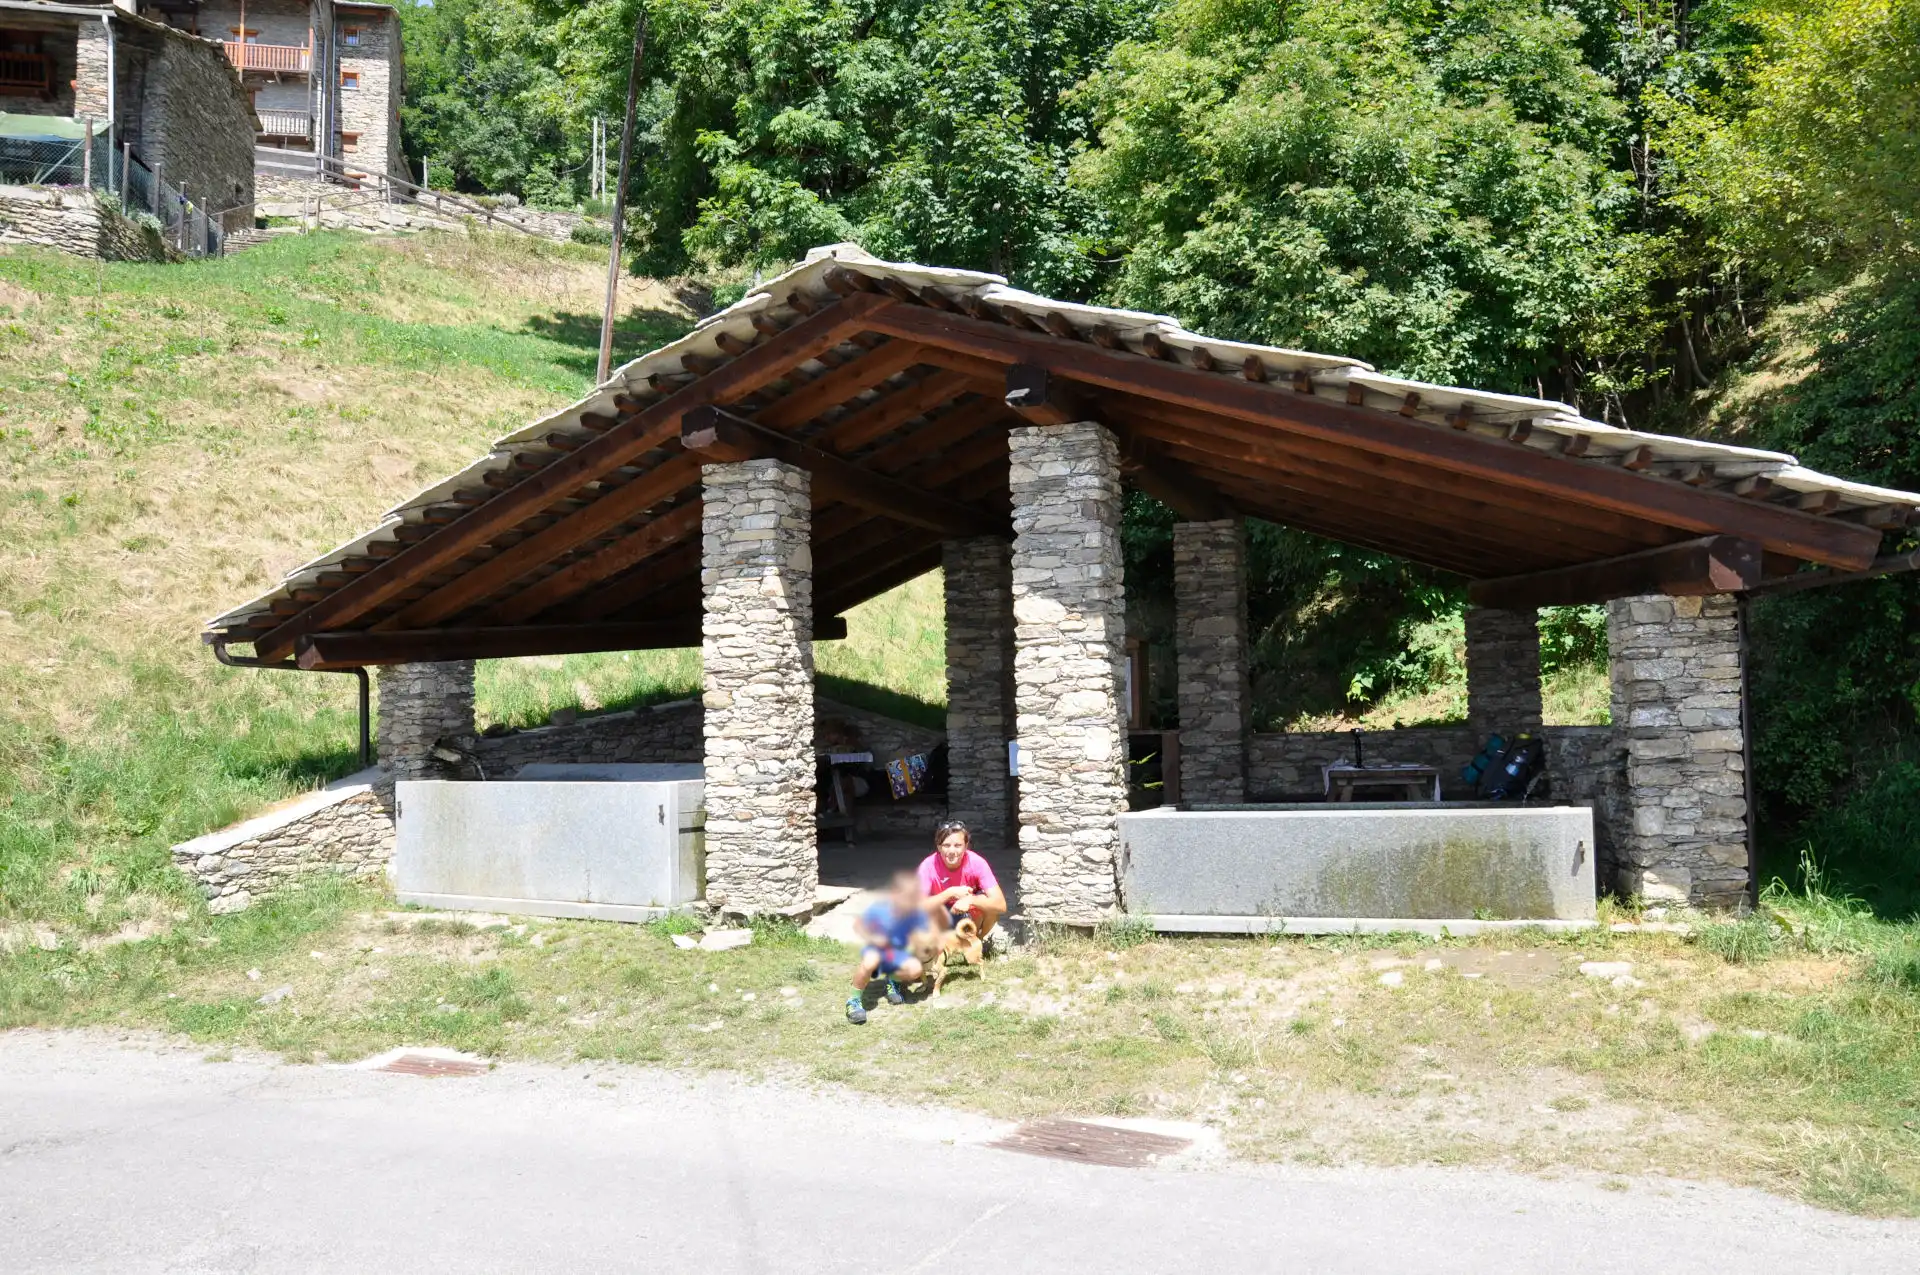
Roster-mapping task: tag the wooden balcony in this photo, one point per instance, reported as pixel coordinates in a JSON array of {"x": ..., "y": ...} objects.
[
  {"x": 26, "y": 73},
  {"x": 296, "y": 124},
  {"x": 275, "y": 59}
]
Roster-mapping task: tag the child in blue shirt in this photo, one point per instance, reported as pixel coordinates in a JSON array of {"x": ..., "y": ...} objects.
[{"x": 888, "y": 928}]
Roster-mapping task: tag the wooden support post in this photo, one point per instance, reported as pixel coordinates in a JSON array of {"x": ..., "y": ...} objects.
[{"x": 86, "y": 157}]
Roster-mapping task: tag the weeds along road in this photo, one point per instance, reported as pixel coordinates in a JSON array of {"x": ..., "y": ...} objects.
[{"x": 122, "y": 1157}]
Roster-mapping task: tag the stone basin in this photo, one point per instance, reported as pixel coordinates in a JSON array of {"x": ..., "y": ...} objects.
[{"x": 1253, "y": 867}]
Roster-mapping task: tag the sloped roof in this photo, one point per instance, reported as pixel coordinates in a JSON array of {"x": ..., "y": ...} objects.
[{"x": 589, "y": 516}]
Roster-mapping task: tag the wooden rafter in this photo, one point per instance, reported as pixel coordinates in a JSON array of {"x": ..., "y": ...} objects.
[
  {"x": 634, "y": 436},
  {"x": 1560, "y": 477},
  {"x": 720, "y": 434},
  {"x": 669, "y": 528}
]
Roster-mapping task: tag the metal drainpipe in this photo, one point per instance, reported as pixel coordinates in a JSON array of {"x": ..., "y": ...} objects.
[{"x": 221, "y": 653}]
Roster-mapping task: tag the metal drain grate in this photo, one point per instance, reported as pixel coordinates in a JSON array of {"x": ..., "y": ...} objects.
[
  {"x": 1085, "y": 1143},
  {"x": 432, "y": 1068}
]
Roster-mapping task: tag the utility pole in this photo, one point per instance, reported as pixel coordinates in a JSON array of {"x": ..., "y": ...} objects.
[{"x": 620, "y": 195}]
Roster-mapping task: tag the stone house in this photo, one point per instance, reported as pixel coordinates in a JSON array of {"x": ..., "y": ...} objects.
[
  {"x": 145, "y": 84},
  {"x": 325, "y": 77},
  {"x": 855, "y": 423}
]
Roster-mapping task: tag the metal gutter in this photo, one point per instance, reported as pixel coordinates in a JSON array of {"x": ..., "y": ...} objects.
[{"x": 226, "y": 657}]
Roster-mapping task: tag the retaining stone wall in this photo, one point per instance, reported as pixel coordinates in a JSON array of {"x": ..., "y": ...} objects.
[
  {"x": 1210, "y": 645},
  {"x": 346, "y": 828},
  {"x": 757, "y": 655},
  {"x": 1677, "y": 691},
  {"x": 1069, "y": 610},
  {"x": 1503, "y": 670},
  {"x": 76, "y": 222}
]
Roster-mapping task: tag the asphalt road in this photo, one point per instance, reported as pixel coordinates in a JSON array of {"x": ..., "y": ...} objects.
[{"x": 134, "y": 1157}]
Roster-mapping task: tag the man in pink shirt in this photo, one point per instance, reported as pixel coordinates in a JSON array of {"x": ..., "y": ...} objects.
[{"x": 957, "y": 882}]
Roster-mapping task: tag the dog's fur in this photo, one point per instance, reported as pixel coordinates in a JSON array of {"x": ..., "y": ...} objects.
[{"x": 937, "y": 950}]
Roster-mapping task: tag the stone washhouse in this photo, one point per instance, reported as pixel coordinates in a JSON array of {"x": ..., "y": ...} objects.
[{"x": 854, "y": 423}]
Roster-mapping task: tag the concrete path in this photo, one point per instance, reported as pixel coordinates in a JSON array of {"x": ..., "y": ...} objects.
[{"x": 126, "y": 1158}]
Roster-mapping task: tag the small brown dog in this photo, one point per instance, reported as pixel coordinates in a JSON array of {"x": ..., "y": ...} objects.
[{"x": 937, "y": 950}]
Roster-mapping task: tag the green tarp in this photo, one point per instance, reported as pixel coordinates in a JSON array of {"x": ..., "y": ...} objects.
[{"x": 42, "y": 128}]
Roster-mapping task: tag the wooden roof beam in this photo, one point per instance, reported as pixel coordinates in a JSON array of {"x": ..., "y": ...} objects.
[
  {"x": 1688, "y": 509},
  {"x": 633, "y": 437},
  {"x": 1692, "y": 568},
  {"x": 720, "y": 435},
  {"x": 669, "y": 528},
  {"x": 358, "y": 649}
]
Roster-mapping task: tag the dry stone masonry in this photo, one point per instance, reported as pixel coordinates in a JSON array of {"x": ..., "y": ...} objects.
[
  {"x": 1069, "y": 641},
  {"x": 76, "y": 222},
  {"x": 346, "y": 828},
  {"x": 1677, "y": 681},
  {"x": 757, "y": 581},
  {"x": 1503, "y": 671},
  {"x": 1210, "y": 648},
  {"x": 420, "y": 705},
  {"x": 979, "y": 605}
]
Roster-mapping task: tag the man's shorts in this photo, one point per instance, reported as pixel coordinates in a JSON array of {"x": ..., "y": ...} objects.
[{"x": 891, "y": 958}]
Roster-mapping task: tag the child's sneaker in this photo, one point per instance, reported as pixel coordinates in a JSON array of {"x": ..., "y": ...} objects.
[
  {"x": 894, "y": 995},
  {"x": 856, "y": 1012}
]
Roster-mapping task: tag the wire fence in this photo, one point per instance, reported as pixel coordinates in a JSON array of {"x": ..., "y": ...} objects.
[{"x": 142, "y": 194}]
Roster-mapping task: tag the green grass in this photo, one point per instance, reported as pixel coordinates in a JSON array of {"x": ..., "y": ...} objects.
[{"x": 1798, "y": 1071}]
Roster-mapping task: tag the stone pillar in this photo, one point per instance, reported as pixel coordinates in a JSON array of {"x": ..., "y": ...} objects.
[
  {"x": 90, "y": 75},
  {"x": 1210, "y": 648},
  {"x": 1069, "y": 647},
  {"x": 1677, "y": 708},
  {"x": 421, "y": 704},
  {"x": 757, "y": 646},
  {"x": 1503, "y": 671},
  {"x": 979, "y": 585}
]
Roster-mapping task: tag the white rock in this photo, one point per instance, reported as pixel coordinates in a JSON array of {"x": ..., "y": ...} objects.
[
  {"x": 1436, "y": 964},
  {"x": 1392, "y": 978},
  {"x": 277, "y": 995},
  {"x": 789, "y": 991},
  {"x": 724, "y": 940},
  {"x": 253, "y": 976},
  {"x": 748, "y": 996},
  {"x": 1608, "y": 970},
  {"x": 685, "y": 941}
]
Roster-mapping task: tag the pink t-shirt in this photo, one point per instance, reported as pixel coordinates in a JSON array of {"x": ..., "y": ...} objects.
[{"x": 973, "y": 873}]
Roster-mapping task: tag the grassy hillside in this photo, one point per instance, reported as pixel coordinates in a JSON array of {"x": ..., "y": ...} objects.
[{"x": 172, "y": 439}]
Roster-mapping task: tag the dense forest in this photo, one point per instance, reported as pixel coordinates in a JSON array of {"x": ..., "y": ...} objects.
[{"x": 1690, "y": 217}]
